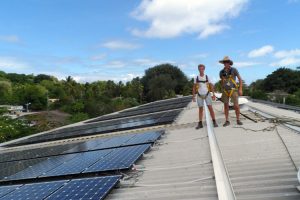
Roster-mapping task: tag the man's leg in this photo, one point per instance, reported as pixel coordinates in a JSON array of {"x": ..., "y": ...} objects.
[
  {"x": 212, "y": 114},
  {"x": 226, "y": 111},
  {"x": 200, "y": 105},
  {"x": 200, "y": 114},
  {"x": 236, "y": 106}
]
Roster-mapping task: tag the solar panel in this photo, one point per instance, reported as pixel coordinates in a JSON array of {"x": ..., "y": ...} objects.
[
  {"x": 25, "y": 154},
  {"x": 91, "y": 188},
  {"x": 78, "y": 164},
  {"x": 34, "y": 191},
  {"x": 121, "y": 158},
  {"x": 149, "y": 137},
  {"x": 10, "y": 168},
  {"x": 41, "y": 167},
  {"x": 4, "y": 190}
]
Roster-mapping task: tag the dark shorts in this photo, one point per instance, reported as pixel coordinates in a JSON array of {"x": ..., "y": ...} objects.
[{"x": 234, "y": 98}]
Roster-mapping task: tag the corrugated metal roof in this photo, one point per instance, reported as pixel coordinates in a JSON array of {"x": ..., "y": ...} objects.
[
  {"x": 261, "y": 159},
  {"x": 257, "y": 161}
]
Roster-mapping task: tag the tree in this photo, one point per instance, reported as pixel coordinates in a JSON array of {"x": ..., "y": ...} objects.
[
  {"x": 5, "y": 92},
  {"x": 283, "y": 79},
  {"x": 172, "y": 77}
]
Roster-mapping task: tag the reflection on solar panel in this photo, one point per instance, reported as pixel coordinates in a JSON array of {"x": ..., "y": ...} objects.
[
  {"x": 92, "y": 188},
  {"x": 34, "y": 191},
  {"x": 4, "y": 190},
  {"x": 121, "y": 158},
  {"x": 42, "y": 167},
  {"x": 78, "y": 164},
  {"x": 105, "y": 127}
]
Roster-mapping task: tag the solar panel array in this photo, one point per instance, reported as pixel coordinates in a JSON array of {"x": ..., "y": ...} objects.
[
  {"x": 96, "y": 143},
  {"x": 87, "y": 188},
  {"x": 61, "y": 171},
  {"x": 104, "y": 127},
  {"x": 74, "y": 160},
  {"x": 148, "y": 108}
]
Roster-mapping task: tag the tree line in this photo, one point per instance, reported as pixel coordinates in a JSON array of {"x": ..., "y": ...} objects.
[{"x": 85, "y": 100}]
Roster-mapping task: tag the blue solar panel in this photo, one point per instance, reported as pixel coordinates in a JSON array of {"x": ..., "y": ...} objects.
[
  {"x": 115, "y": 141},
  {"x": 4, "y": 190},
  {"x": 77, "y": 164},
  {"x": 40, "y": 168},
  {"x": 34, "y": 191},
  {"x": 141, "y": 138},
  {"x": 120, "y": 158},
  {"x": 90, "y": 188}
]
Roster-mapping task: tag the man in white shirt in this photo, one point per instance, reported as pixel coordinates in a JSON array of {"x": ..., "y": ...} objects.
[{"x": 202, "y": 88}]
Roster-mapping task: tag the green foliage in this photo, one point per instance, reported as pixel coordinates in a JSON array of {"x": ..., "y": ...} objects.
[
  {"x": 164, "y": 81},
  {"x": 259, "y": 94},
  {"x": 79, "y": 117},
  {"x": 283, "y": 79},
  {"x": 13, "y": 128},
  {"x": 5, "y": 92}
]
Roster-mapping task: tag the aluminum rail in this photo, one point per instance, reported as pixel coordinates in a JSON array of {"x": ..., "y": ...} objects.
[{"x": 224, "y": 187}]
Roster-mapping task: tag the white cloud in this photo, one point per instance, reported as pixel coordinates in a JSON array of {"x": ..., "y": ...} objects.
[
  {"x": 267, "y": 49},
  {"x": 116, "y": 64},
  {"x": 12, "y": 63},
  {"x": 287, "y": 58},
  {"x": 284, "y": 54},
  {"x": 117, "y": 44},
  {"x": 286, "y": 62},
  {"x": 245, "y": 64},
  {"x": 171, "y": 18},
  {"x": 10, "y": 38},
  {"x": 96, "y": 76}
]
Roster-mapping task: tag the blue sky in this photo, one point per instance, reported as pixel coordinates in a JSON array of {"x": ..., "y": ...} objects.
[{"x": 115, "y": 39}]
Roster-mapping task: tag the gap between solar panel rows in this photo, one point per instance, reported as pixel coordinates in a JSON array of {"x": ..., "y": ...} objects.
[
  {"x": 86, "y": 154},
  {"x": 104, "y": 127},
  {"x": 88, "y": 188}
]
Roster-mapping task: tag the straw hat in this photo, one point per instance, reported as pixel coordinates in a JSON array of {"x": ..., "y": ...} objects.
[{"x": 226, "y": 59}]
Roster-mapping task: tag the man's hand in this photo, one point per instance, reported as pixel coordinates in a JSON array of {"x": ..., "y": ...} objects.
[
  {"x": 240, "y": 92},
  {"x": 214, "y": 97},
  {"x": 194, "y": 100}
]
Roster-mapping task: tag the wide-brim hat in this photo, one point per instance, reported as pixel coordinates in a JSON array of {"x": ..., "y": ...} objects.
[{"x": 226, "y": 59}]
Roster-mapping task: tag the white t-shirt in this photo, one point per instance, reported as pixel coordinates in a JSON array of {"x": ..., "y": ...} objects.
[{"x": 202, "y": 86}]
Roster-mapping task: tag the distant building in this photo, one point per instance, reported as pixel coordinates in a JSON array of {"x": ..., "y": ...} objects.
[{"x": 53, "y": 100}]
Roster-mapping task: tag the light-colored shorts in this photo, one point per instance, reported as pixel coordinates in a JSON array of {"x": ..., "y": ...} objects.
[
  {"x": 200, "y": 100},
  {"x": 234, "y": 98}
]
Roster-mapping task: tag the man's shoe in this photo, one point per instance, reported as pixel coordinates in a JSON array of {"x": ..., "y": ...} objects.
[
  {"x": 227, "y": 123},
  {"x": 200, "y": 125},
  {"x": 215, "y": 123},
  {"x": 239, "y": 122}
]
